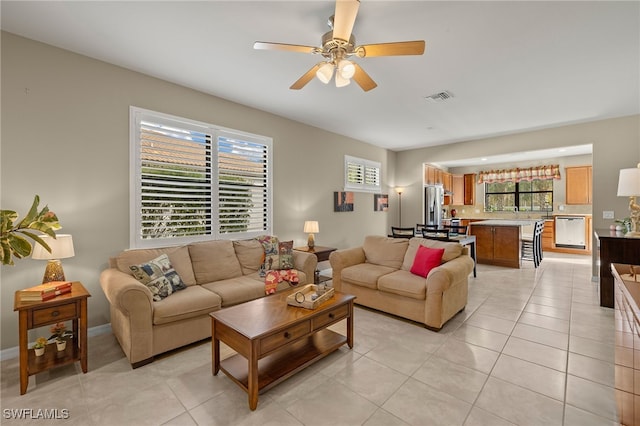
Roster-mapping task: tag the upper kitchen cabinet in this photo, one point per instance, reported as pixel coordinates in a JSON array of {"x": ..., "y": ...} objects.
[
  {"x": 469, "y": 189},
  {"x": 579, "y": 185},
  {"x": 447, "y": 181},
  {"x": 457, "y": 187},
  {"x": 434, "y": 176},
  {"x": 464, "y": 189}
]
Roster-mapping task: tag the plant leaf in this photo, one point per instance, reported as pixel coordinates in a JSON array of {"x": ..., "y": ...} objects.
[
  {"x": 20, "y": 245},
  {"x": 31, "y": 216},
  {"x": 37, "y": 239}
]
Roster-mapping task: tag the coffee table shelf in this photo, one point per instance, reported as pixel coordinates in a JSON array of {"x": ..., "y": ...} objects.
[{"x": 285, "y": 362}]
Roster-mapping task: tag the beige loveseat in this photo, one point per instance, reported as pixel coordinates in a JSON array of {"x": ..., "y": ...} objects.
[
  {"x": 378, "y": 274},
  {"x": 217, "y": 274}
]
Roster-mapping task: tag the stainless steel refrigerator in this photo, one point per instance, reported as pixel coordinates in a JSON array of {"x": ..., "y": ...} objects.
[{"x": 433, "y": 204}]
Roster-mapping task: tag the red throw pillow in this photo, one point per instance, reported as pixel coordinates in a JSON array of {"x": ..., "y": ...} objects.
[{"x": 426, "y": 259}]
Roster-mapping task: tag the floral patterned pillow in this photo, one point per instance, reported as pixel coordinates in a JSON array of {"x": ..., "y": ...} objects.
[{"x": 160, "y": 276}]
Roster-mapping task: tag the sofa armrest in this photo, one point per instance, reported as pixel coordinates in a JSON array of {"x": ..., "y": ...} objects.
[
  {"x": 125, "y": 293},
  {"x": 343, "y": 258},
  {"x": 307, "y": 263},
  {"x": 456, "y": 270}
]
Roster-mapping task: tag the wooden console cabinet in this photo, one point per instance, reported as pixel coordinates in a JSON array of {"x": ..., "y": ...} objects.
[
  {"x": 627, "y": 350},
  {"x": 614, "y": 248}
]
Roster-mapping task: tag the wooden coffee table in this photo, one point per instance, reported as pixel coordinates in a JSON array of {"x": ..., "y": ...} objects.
[{"x": 275, "y": 340}]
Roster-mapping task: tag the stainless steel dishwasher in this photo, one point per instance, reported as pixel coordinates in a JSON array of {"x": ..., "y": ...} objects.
[{"x": 570, "y": 232}]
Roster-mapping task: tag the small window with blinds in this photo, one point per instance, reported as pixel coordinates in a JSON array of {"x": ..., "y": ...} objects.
[
  {"x": 361, "y": 175},
  {"x": 194, "y": 181}
]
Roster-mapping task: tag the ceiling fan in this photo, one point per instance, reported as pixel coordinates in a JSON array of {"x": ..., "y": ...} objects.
[{"x": 338, "y": 45}]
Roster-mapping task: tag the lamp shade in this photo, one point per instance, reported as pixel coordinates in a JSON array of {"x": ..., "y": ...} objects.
[
  {"x": 61, "y": 248},
  {"x": 325, "y": 72},
  {"x": 629, "y": 182},
  {"x": 341, "y": 81},
  {"x": 346, "y": 68},
  {"x": 311, "y": 226}
]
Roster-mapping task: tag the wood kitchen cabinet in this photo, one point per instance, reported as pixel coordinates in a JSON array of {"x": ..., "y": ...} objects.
[
  {"x": 469, "y": 189},
  {"x": 429, "y": 175},
  {"x": 579, "y": 185},
  {"x": 457, "y": 187},
  {"x": 548, "y": 235},
  {"x": 447, "y": 181},
  {"x": 497, "y": 245}
]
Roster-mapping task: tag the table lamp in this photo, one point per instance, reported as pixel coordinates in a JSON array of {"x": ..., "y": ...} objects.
[
  {"x": 61, "y": 248},
  {"x": 311, "y": 227},
  {"x": 629, "y": 186}
]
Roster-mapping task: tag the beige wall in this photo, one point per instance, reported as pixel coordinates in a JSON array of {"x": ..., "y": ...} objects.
[{"x": 65, "y": 136}]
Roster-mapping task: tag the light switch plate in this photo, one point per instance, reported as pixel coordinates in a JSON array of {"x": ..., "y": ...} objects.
[{"x": 608, "y": 214}]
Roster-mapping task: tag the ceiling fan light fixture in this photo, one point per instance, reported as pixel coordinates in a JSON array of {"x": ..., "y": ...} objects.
[
  {"x": 346, "y": 68},
  {"x": 325, "y": 72},
  {"x": 341, "y": 81}
]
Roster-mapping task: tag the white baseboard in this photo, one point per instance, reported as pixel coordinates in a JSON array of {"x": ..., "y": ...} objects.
[{"x": 93, "y": 331}]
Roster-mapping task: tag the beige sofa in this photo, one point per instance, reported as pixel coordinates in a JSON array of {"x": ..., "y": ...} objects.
[
  {"x": 378, "y": 274},
  {"x": 217, "y": 274}
]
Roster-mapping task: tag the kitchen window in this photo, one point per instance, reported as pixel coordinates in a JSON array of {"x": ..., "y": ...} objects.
[
  {"x": 527, "y": 195},
  {"x": 192, "y": 181}
]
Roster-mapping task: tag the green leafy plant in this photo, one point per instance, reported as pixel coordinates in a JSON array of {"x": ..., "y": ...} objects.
[{"x": 14, "y": 234}]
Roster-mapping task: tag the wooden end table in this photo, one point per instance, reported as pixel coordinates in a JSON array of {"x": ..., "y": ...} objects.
[
  {"x": 70, "y": 306},
  {"x": 275, "y": 340},
  {"x": 322, "y": 254}
]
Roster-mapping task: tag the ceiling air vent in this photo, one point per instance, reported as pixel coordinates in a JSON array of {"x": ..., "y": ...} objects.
[{"x": 440, "y": 97}]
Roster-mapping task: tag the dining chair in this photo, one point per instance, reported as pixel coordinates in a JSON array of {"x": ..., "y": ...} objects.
[
  {"x": 398, "y": 232},
  {"x": 441, "y": 234},
  {"x": 456, "y": 229}
]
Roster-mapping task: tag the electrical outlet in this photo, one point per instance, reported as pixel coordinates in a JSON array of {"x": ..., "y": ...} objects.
[
  {"x": 561, "y": 207},
  {"x": 608, "y": 214}
]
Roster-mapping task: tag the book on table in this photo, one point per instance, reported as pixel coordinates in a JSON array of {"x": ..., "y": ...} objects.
[{"x": 43, "y": 292}]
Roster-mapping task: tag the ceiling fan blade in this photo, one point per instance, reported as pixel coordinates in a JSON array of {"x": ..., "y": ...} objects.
[
  {"x": 307, "y": 77},
  {"x": 263, "y": 45},
  {"x": 344, "y": 18},
  {"x": 391, "y": 49},
  {"x": 363, "y": 79}
]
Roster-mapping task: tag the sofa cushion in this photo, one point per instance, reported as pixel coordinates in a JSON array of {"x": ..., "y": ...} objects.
[
  {"x": 271, "y": 251},
  {"x": 385, "y": 251},
  {"x": 285, "y": 254},
  {"x": 451, "y": 250},
  {"x": 404, "y": 283},
  {"x": 191, "y": 302},
  {"x": 214, "y": 260},
  {"x": 178, "y": 256},
  {"x": 241, "y": 289},
  {"x": 426, "y": 259},
  {"x": 364, "y": 274},
  {"x": 159, "y": 275},
  {"x": 250, "y": 255}
]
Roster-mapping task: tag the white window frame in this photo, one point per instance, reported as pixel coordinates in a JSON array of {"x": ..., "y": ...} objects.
[
  {"x": 367, "y": 168},
  {"x": 136, "y": 116}
]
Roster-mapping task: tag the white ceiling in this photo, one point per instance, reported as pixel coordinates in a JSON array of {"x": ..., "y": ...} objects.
[{"x": 511, "y": 66}]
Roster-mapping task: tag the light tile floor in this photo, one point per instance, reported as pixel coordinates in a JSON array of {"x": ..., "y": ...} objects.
[{"x": 533, "y": 347}]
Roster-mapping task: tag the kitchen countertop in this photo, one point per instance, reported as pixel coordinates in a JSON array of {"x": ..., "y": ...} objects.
[{"x": 505, "y": 222}]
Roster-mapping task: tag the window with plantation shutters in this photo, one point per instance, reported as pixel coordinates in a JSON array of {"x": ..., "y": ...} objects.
[
  {"x": 194, "y": 181},
  {"x": 361, "y": 175}
]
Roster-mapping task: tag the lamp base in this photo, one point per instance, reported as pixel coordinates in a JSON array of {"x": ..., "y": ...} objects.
[
  {"x": 53, "y": 272},
  {"x": 311, "y": 241}
]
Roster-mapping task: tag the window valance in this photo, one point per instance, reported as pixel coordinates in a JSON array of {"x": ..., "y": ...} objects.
[{"x": 520, "y": 174}]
